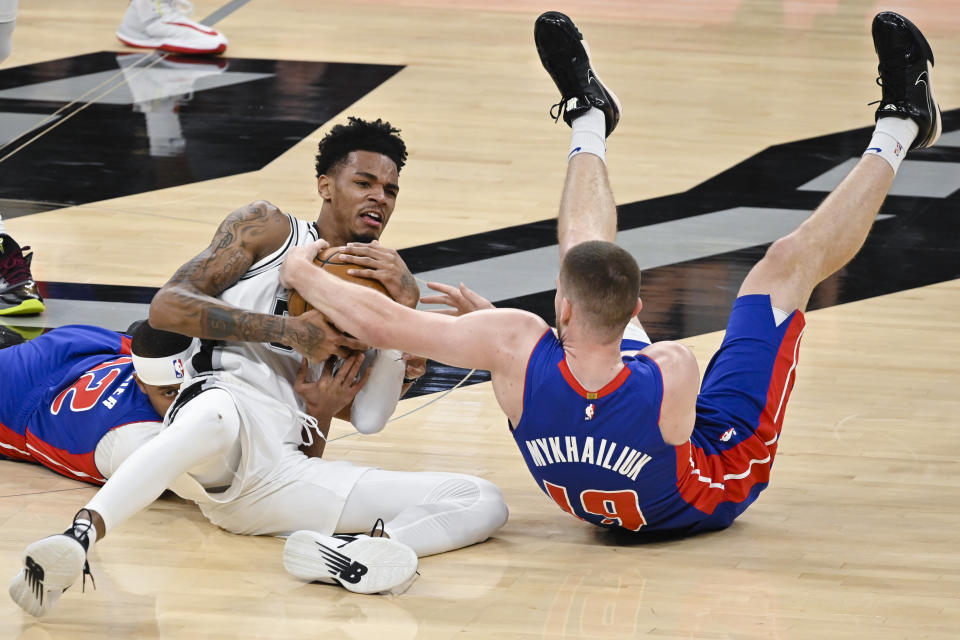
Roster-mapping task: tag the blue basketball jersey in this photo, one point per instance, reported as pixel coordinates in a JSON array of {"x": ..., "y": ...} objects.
[
  {"x": 62, "y": 392},
  {"x": 600, "y": 455}
]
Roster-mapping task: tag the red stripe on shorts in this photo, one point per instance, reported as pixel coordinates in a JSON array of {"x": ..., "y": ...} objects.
[
  {"x": 705, "y": 480},
  {"x": 80, "y": 466}
]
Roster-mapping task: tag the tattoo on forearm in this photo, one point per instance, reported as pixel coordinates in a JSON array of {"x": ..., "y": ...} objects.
[{"x": 193, "y": 289}]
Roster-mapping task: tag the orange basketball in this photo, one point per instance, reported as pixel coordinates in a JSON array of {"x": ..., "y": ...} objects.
[{"x": 327, "y": 260}]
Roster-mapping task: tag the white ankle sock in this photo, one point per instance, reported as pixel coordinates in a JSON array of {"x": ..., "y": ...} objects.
[
  {"x": 891, "y": 139},
  {"x": 3, "y": 229},
  {"x": 589, "y": 134},
  {"x": 84, "y": 526}
]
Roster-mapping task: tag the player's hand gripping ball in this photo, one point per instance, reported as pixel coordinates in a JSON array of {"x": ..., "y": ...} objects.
[{"x": 327, "y": 260}]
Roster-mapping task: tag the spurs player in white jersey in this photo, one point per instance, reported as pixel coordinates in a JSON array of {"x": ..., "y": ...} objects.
[{"x": 241, "y": 440}]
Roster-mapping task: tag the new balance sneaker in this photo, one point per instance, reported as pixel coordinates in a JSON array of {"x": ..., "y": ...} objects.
[
  {"x": 50, "y": 567},
  {"x": 566, "y": 57},
  {"x": 18, "y": 292},
  {"x": 166, "y": 25},
  {"x": 362, "y": 564},
  {"x": 906, "y": 64}
]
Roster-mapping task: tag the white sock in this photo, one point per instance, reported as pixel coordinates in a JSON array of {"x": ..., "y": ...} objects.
[
  {"x": 3, "y": 229},
  {"x": 891, "y": 139},
  {"x": 589, "y": 134},
  {"x": 84, "y": 526}
]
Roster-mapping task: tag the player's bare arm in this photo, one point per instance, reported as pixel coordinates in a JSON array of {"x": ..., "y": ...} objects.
[
  {"x": 681, "y": 383},
  {"x": 497, "y": 340},
  {"x": 386, "y": 266},
  {"x": 187, "y": 303}
]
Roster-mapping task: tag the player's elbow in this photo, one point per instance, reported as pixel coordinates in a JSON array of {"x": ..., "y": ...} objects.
[{"x": 166, "y": 310}]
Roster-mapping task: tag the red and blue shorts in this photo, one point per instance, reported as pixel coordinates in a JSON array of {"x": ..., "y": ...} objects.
[{"x": 740, "y": 412}]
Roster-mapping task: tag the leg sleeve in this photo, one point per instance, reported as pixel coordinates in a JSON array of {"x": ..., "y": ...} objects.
[{"x": 431, "y": 512}]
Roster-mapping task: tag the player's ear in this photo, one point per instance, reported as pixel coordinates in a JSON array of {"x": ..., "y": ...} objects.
[
  {"x": 325, "y": 186},
  {"x": 566, "y": 310},
  {"x": 637, "y": 309},
  {"x": 136, "y": 379}
]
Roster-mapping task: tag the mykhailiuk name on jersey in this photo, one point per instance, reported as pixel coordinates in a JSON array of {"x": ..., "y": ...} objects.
[{"x": 626, "y": 461}]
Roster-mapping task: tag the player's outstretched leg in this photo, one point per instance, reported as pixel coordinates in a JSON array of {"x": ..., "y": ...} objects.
[
  {"x": 908, "y": 118},
  {"x": 51, "y": 565},
  {"x": 361, "y": 563},
  {"x": 587, "y": 208}
]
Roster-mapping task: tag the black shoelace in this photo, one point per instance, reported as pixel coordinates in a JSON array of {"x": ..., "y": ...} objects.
[{"x": 14, "y": 268}]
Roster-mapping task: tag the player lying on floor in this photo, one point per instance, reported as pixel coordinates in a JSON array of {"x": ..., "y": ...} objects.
[{"x": 80, "y": 399}]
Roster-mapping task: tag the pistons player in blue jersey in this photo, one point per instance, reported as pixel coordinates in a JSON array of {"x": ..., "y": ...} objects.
[
  {"x": 73, "y": 401},
  {"x": 617, "y": 431},
  {"x": 80, "y": 399}
]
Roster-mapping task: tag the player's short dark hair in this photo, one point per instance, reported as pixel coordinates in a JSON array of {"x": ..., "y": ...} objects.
[
  {"x": 148, "y": 342},
  {"x": 360, "y": 135},
  {"x": 602, "y": 280}
]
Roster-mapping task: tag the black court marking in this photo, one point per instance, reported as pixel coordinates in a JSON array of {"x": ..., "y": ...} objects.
[{"x": 214, "y": 117}]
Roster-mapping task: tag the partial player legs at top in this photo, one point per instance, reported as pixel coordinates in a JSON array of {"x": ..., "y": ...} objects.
[
  {"x": 587, "y": 208},
  {"x": 908, "y": 118}
]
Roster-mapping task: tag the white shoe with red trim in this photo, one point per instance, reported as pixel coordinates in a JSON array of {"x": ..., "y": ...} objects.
[{"x": 166, "y": 25}]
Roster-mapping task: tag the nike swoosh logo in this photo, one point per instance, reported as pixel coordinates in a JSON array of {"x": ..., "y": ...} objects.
[
  {"x": 926, "y": 91},
  {"x": 877, "y": 149}
]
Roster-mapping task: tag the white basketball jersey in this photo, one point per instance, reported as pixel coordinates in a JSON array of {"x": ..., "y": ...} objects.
[{"x": 268, "y": 367}]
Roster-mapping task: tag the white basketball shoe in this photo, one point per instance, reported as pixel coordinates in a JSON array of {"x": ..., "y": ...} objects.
[
  {"x": 50, "y": 567},
  {"x": 361, "y": 563},
  {"x": 166, "y": 25}
]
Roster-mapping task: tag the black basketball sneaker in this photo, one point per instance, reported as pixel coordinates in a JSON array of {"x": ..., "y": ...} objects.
[
  {"x": 18, "y": 292},
  {"x": 566, "y": 57},
  {"x": 906, "y": 62}
]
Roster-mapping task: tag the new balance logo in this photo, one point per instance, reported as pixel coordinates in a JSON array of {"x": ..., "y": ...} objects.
[
  {"x": 34, "y": 578},
  {"x": 342, "y": 566}
]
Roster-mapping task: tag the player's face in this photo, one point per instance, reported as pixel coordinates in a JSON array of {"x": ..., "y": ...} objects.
[
  {"x": 161, "y": 397},
  {"x": 361, "y": 196}
]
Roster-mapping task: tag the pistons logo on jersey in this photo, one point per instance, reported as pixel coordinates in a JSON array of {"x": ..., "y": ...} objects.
[{"x": 589, "y": 411}]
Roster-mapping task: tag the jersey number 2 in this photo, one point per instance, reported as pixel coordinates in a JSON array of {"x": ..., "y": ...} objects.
[{"x": 616, "y": 507}]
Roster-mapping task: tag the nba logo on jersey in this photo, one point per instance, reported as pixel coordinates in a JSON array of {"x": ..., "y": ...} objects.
[
  {"x": 729, "y": 433},
  {"x": 588, "y": 412},
  {"x": 178, "y": 368}
]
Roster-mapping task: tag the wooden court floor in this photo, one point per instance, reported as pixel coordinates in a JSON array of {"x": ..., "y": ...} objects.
[{"x": 857, "y": 536}]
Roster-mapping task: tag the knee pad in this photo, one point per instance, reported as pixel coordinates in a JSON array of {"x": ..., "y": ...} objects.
[{"x": 211, "y": 417}]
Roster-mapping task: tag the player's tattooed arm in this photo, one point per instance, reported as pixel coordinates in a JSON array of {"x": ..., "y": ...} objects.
[{"x": 188, "y": 303}]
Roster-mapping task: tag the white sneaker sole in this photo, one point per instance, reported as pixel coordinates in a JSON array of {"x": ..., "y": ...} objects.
[
  {"x": 61, "y": 560},
  {"x": 390, "y": 566},
  {"x": 163, "y": 45}
]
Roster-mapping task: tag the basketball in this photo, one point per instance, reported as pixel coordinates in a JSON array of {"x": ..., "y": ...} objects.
[{"x": 327, "y": 260}]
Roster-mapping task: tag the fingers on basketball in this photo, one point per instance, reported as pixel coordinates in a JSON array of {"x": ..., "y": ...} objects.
[{"x": 328, "y": 261}]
